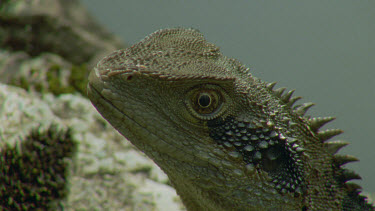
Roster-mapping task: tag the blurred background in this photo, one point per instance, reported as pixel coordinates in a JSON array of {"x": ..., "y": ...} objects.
[{"x": 323, "y": 49}]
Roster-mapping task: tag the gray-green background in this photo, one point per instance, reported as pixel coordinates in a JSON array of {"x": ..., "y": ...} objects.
[{"x": 323, "y": 49}]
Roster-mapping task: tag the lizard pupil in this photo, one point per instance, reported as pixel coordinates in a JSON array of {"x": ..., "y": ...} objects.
[{"x": 204, "y": 100}]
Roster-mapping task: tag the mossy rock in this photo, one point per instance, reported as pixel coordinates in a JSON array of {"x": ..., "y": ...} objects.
[{"x": 34, "y": 172}]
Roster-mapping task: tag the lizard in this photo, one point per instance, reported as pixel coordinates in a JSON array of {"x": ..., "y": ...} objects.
[{"x": 226, "y": 139}]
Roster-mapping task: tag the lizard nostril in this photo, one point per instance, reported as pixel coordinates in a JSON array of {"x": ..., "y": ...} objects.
[{"x": 129, "y": 77}]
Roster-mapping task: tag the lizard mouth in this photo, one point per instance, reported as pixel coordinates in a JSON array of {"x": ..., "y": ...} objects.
[
  {"x": 97, "y": 94},
  {"x": 129, "y": 127}
]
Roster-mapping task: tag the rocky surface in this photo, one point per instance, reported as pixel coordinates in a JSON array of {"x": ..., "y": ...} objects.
[
  {"x": 108, "y": 173},
  {"x": 46, "y": 50},
  {"x": 60, "y": 27}
]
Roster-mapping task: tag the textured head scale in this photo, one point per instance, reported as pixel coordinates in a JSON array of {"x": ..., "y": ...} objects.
[{"x": 226, "y": 139}]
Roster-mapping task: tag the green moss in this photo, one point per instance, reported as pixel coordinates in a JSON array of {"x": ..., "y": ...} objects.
[
  {"x": 24, "y": 83},
  {"x": 76, "y": 82},
  {"x": 146, "y": 170},
  {"x": 21, "y": 82},
  {"x": 4, "y": 3},
  {"x": 34, "y": 173},
  {"x": 78, "y": 78},
  {"x": 55, "y": 86}
]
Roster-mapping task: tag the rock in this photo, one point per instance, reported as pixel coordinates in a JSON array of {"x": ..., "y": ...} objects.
[
  {"x": 60, "y": 27},
  {"x": 107, "y": 172},
  {"x": 47, "y": 48}
]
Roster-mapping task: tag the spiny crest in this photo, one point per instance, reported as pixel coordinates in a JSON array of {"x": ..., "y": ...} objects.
[
  {"x": 286, "y": 98},
  {"x": 347, "y": 175},
  {"x": 352, "y": 186},
  {"x": 289, "y": 100},
  {"x": 334, "y": 146},
  {"x": 314, "y": 123},
  {"x": 293, "y": 100},
  {"x": 318, "y": 122},
  {"x": 341, "y": 174},
  {"x": 271, "y": 85},
  {"x": 303, "y": 108},
  {"x": 278, "y": 92},
  {"x": 327, "y": 134},
  {"x": 353, "y": 200},
  {"x": 340, "y": 160}
]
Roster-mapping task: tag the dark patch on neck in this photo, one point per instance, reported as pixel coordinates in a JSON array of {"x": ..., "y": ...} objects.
[{"x": 263, "y": 149}]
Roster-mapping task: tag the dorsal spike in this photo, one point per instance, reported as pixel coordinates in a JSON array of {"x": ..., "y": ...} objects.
[
  {"x": 340, "y": 160},
  {"x": 287, "y": 96},
  {"x": 351, "y": 186},
  {"x": 271, "y": 85},
  {"x": 316, "y": 123},
  {"x": 302, "y": 109},
  {"x": 327, "y": 134},
  {"x": 334, "y": 146},
  {"x": 293, "y": 100},
  {"x": 349, "y": 175},
  {"x": 278, "y": 92}
]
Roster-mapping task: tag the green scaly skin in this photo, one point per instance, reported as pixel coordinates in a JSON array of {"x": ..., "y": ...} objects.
[{"x": 226, "y": 139}]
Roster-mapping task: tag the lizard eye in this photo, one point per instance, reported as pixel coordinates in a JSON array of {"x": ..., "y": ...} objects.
[{"x": 206, "y": 102}]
